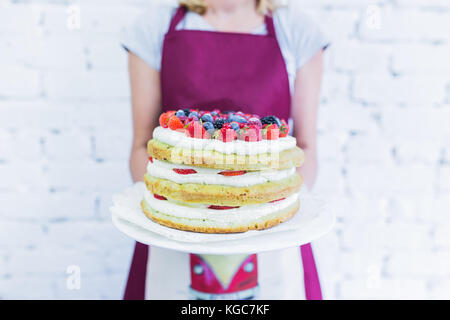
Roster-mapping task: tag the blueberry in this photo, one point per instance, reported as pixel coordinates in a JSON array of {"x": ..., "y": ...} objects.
[
  {"x": 207, "y": 118},
  {"x": 193, "y": 113},
  {"x": 213, "y": 113},
  {"x": 208, "y": 127},
  {"x": 186, "y": 112},
  {"x": 180, "y": 113},
  {"x": 235, "y": 126},
  {"x": 237, "y": 118}
]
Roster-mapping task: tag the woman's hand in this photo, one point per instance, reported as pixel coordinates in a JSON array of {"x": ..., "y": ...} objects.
[
  {"x": 146, "y": 106},
  {"x": 304, "y": 113}
]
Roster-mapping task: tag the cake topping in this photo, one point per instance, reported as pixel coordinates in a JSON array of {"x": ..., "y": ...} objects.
[
  {"x": 225, "y": 126},
  {"x": 271, "y": 132},
  {"x": 270, "y": 120},
  {"x": 175, "y": 123}
]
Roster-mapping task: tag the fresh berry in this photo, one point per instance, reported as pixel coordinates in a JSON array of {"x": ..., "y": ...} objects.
[
  {"x": 192, "y": 118},
  {"x": 185, "y": 171},
  {"x": 175, "y": 123},
  {"x": 150, "y": 159},
  {"x": 236, "y": 118},
  {"x": 235, "y": 126},
  {"x": 180, "y": 113},
  {"x": 219, "y": 123},
  {"x": 254, "y": 121},
  {"x": 226, "y": 126},
  {"x": 251, "y": 133},
  {"x": 270, "y": 120},
  {"x": 207, "y": 117},
  {"x": 214, "y": 113},
  {"x": 209, "y": 127},
  {"x": 163, "y": 120},
  {"x": 271, "y": 132},
  {"x": 227, "y": 135},
  {"x": 194, "y": 114},
  {"x": 195, "y": 130},
  {"x": 182, "y": 118},
  {"x": 157, "y": 196},
  {"x": 186, "y": 112},
  {"x": 284, "y": 129},
  {"x": 232, "y": 173},
  {"x": 221, "y": 207}
]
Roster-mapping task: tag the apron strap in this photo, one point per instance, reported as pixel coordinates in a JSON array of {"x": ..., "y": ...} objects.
[
  {"x": 179, "y": 15},
  {"x": 135, "y": 289},
  {"x": 311, "y": 278},
  {"x": 269, "y": 25}
]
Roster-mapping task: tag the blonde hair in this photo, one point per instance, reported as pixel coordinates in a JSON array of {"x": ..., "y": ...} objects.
[{"x": 199, "y": 6}]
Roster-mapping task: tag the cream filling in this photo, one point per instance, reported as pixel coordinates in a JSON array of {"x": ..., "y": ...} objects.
[
  {"x": 179, "y": 139},
  {"x": 244, "y": 213},
  {"x": 164, "y": 170}
]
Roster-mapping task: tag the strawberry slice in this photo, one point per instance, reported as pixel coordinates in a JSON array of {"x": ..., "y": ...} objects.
[
  {"x": 271, "y": 132},
  {"x": 233, "y": 173},
  {"x": 276, "y": 200},
  {"x": 150, "y": 159},
  {"x": 185, "y": 171},
  {"x": 157, "y": 196},
  {"x": 221, "y": 207}
]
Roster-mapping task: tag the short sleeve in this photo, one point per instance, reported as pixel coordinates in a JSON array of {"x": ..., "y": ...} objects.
[
  {"x": 145, "y": 36},
  {"x": 305, "y": 35}
]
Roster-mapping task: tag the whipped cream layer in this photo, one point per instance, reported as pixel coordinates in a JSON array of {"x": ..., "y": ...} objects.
[
  {"x": 198, "y": 211},
  {"x": 240, "y": 147},
  {"x": 164, "y": 170}
]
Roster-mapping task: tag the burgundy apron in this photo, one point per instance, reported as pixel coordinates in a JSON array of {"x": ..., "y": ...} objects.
[{"x": 229, "y": 71}]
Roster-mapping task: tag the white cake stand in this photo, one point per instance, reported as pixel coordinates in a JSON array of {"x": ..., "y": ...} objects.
[{"x": 313, "y": 221}]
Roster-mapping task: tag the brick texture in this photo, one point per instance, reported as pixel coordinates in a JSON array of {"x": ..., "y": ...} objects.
[{"x": 384, "y": 142}]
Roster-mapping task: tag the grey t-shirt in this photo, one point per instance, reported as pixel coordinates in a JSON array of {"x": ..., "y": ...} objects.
[{"x": 298, "y": 36}]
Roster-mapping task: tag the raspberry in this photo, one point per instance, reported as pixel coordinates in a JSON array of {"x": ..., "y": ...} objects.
[
  {"x": 255, "y": 121},
  {"x": 150, "y": 159},
  {"x": 185, "y": 171}
]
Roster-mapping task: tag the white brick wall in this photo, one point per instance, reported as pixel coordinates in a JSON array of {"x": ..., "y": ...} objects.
[{"x": 384, "y": 141}]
